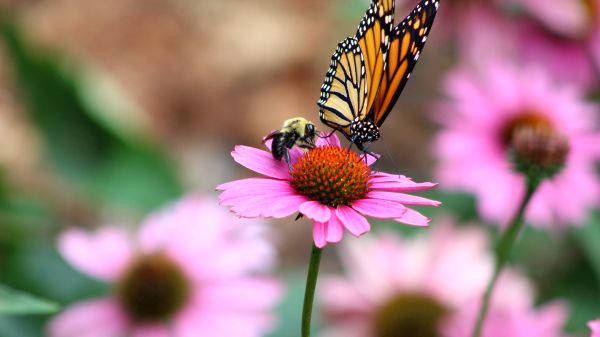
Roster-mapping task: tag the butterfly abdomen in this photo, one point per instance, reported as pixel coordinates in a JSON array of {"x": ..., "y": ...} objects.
[{"x": 363, "y": 132}]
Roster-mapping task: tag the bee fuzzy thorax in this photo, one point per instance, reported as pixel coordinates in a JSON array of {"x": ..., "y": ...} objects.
[{"x": 296, "y": 131}]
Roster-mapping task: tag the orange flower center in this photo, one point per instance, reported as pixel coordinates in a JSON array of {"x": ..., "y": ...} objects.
[
  {"x": 153, "y": 289},
  {"x": 331, "y": 175}
]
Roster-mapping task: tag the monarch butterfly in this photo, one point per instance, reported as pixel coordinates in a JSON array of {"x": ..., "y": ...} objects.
[{"x": 369, "y": 70}]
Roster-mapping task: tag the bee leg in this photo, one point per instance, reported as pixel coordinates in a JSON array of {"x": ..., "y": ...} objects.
[
  {"x": 288, "y": 159},
  {"x": 306, "y": 144}
]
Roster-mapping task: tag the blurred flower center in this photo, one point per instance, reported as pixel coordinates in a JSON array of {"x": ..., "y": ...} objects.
[
  {"x": 331, "y": 175},
  {"x": 526, "y": 120},
  {"x": 153, "y": 288},
  {"x": 409, "y": 315}
]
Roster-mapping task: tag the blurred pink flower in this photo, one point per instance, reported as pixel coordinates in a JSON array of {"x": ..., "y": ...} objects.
[
  {"x": 594, "y": 48},
  {"x": 486, "y": 36},
  {"x": 566, "y": 59},
  {"x": 512, "y": 321},
  {"x": 189, "y": 272},
  {"x": 564, "y": 17},
  {"x": 482, "y": 111},
  {"x": 419, "y": 286},
  {"x": 330, "y": 185},
  {"x": 595, "y": 327}
]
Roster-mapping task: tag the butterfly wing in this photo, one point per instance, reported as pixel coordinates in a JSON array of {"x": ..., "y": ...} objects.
[
  {"x": 344, "y": 92},
  {"x": 373, "y": 36},
  {"x": 407, "y": 42}
]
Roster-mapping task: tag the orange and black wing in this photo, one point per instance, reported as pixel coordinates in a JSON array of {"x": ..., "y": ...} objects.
[
  {"x": 373, "y": 35},
  {"x": 407, "y": 42},
  {"x": 344, "y": 92}
]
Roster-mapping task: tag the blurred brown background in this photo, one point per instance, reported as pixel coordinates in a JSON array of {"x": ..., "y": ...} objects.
[{"x": 207, "y": 75}]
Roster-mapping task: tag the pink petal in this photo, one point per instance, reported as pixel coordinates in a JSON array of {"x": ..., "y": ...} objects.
[
  {"x": 253, "y": 186},
  {"x": 377, "y": 208},
  {"x": 227, "y": 260},
  {"x": 260, "y": 161},
  {"x": 193, "y": 218},
  {"x": 263, "y": 197},
  {"x": 370, "y": 158},
  {"x": 198, "y": 226},
  {"x": 158, "y": 330},
  {"x": 342, "y": 301},
  {"x": 272, "y": 207},
  {"x": 206, "y": 323},
  {"x": 392, "y": 182},
  {"x": 402, "y": 187},
  {"x": 595, "y": 327},
  {"x": 566, "y": 17},
  {"x": 316, "y": 211},
  {"x": 354, "y": 222},
  {"x": 414, "y": 218},
  {"x": 242, "y": 295},
  {"x": 96, "y": 318},
  {"x": 335, "y": 230},
  {"x": 403, "y": 198},
  {"x": 104, "y": 254},
  {"x": 320, "y": 234},
  {"x": 324, "y": 139}
]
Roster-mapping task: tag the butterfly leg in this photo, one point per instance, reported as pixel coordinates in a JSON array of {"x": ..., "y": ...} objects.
[
  {"x": 348, "y": 151},
  {"x": 366, "y": 152}
]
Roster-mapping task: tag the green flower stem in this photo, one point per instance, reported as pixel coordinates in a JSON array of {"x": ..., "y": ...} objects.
[
  {"x": 309, "y": 292},
  {"x": 503, "y": 251}
]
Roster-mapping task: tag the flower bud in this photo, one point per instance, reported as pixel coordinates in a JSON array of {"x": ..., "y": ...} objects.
[{"x": 539, "y": 150}]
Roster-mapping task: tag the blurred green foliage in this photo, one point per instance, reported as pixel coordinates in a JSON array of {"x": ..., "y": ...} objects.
[
  {"x": 91, "y": 152},
  {"x": 290, "y": 309},
  {"x": 17, "y": 302},
  {"x": 96, "y": 156}
]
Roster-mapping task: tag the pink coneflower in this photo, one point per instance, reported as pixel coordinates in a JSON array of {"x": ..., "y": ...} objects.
[
  {"x": 568, "y": 18},
  {"x": 188, "y": 272},
  {"x": 486, "y": 36},
  {"x": 422, "y": 286},
  {"x": 330, "y": 185},
  {"x": 595, "y": 327},
  {"x": 480, "y": 118},
  {"x": 513, "y": 321}
]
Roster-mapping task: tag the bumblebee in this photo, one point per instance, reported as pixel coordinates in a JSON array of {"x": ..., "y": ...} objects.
[{"x": 296, "y": 131}]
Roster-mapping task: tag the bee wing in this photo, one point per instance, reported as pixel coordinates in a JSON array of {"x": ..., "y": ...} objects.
[{"x": 270, "y": 136}]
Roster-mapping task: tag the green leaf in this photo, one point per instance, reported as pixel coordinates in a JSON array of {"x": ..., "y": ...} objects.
[
  {"x": 588, "y": 237},
  {"x": 93, "y": 136},
  {"x": 13, "y": 302}
]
